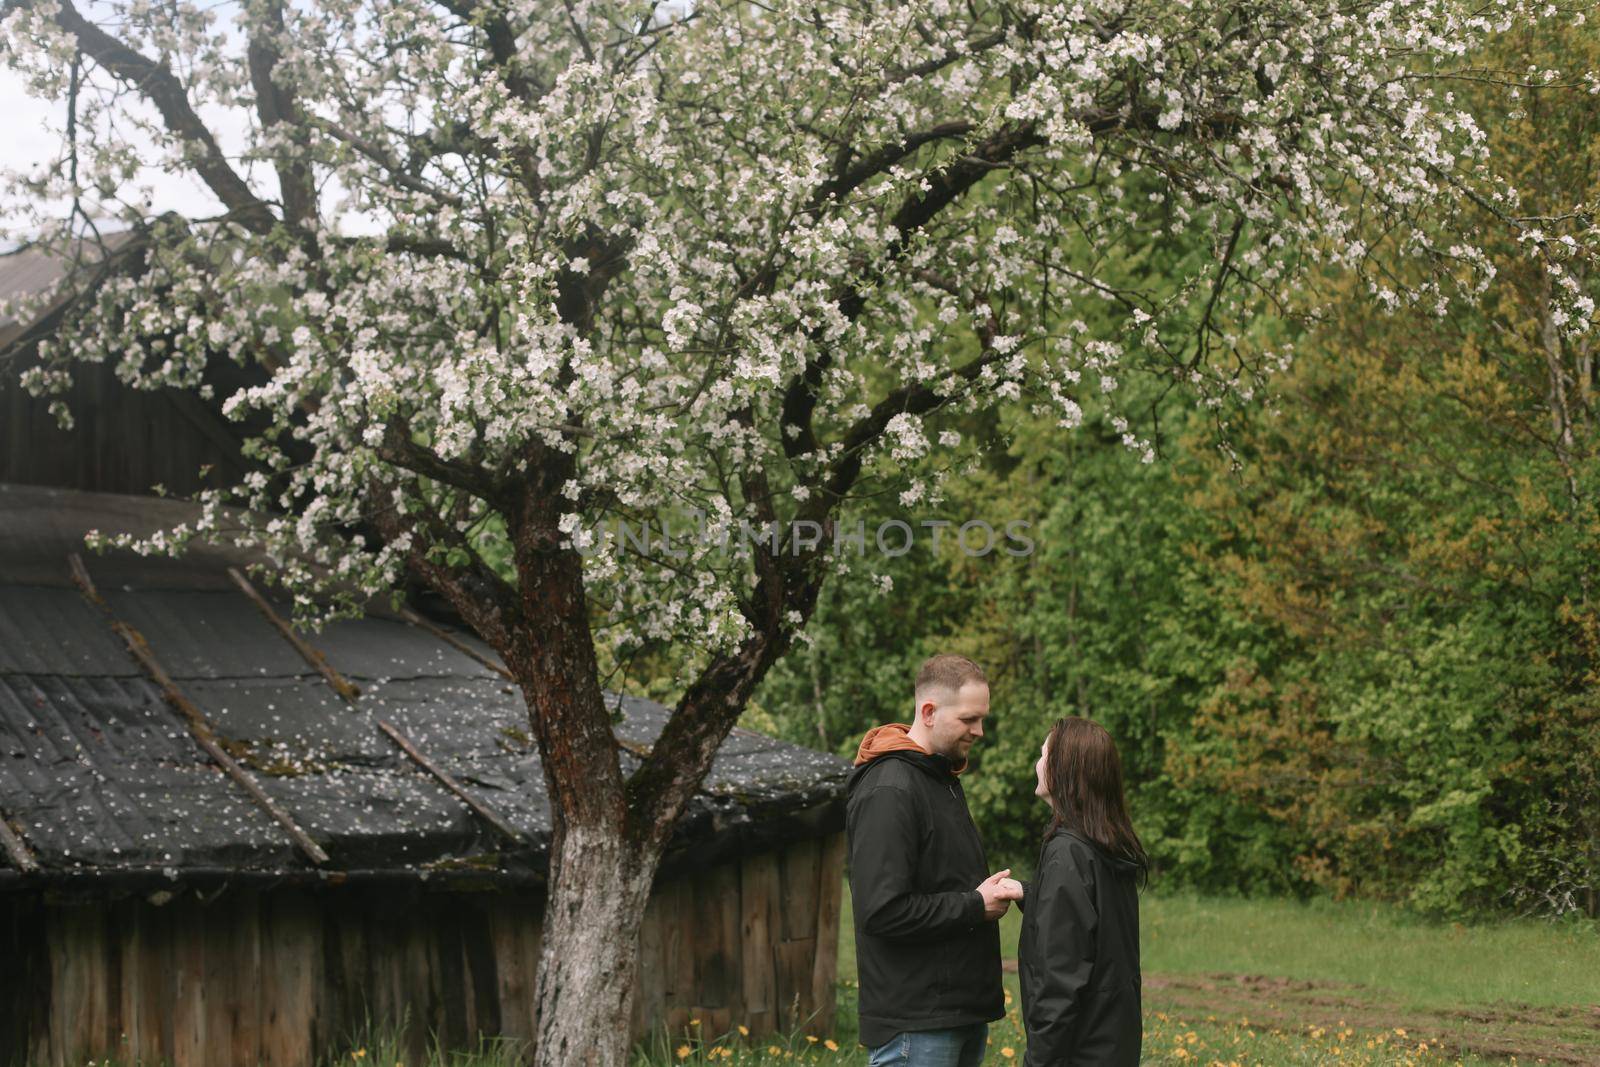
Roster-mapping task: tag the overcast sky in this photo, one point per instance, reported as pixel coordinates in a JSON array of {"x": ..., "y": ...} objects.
[{"x": 33, "y": 136}]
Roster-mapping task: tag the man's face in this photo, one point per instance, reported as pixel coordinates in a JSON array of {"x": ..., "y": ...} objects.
[{"x": 956, "y": 717}]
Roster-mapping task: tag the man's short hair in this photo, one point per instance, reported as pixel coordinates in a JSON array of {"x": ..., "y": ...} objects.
[{"x": 950, "y": 671}]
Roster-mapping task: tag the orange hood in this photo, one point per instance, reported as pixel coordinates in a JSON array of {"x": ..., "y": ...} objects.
[{"x": 893, "y": 737}]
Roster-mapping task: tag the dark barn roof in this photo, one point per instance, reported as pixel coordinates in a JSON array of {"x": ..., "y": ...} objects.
[
  {"x": 26, "y": 273},
  {"x": 106, "y": 783},
  {"x": 125, "y": 439}
]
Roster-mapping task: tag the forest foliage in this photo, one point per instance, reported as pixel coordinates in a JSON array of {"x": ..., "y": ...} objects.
[{"x": 1347, "y": 638}]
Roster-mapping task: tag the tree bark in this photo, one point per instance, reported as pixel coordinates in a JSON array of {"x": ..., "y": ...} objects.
[
  {"x": 599, "y": 878},
  {"x": 589, "y": 961}
]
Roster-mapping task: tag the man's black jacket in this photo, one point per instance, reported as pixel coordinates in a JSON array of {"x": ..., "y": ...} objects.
[
  {"x": 1078, "y": 957},
  {"x": 927, "y": 957}
]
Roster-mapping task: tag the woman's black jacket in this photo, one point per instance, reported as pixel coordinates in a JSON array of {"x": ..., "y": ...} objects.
[{"x": 1078, "y": 957}]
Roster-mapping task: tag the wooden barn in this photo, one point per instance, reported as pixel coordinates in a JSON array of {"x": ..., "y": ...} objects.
[{"x": 224, "y": 842}]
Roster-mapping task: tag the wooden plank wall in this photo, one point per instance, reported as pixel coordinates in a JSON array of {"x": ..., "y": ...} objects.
[
  {"x": 124, "y": 440},
  {"x": 753, "y": 942},
  {"x": 24, "y": 976},
  {"x": 280, "y": 978}
]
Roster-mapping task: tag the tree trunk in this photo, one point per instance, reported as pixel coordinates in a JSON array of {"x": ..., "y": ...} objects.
[
  {"x": 598, "y": 884},
  {"x": 817, "y": 702},
  {"x": 590, "y": 956},
  {"x": 607, "y": 836},
  {"x": 1560, "y": 411}
]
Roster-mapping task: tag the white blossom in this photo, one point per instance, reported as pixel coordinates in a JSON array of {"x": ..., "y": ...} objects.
[{"x": 702, "y": 265}]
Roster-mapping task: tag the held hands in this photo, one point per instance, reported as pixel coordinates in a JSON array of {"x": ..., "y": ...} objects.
[{"x": 998, "y": 891}]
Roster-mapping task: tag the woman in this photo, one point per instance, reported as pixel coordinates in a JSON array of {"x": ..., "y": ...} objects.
[{"x": 1078, "y": 954}]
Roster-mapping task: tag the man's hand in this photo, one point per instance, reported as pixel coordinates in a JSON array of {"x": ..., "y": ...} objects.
[{"x": 998, "y": 891}]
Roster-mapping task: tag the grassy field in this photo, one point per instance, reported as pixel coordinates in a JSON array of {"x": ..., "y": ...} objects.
[
  {"x": 1282, "y": 983},
  {"x": 1420, "y": 964},
  {"x": 1423, "y": 964},
  {"x": 1529, "y": 990}
]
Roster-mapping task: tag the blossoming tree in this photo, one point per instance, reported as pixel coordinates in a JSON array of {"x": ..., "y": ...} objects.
[{"x": 507, "y": 268}]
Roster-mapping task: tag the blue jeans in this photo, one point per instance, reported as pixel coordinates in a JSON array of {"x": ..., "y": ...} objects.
[{"x": 961, "y": 1047}]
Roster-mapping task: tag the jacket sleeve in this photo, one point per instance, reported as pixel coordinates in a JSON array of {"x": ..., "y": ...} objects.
[
  {"x": 1062, "y": 914},
  {"x": 883, "y": 862}
]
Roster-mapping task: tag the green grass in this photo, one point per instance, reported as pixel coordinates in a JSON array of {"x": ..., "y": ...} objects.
[
  {"x": 1283, "y": 982},
  {"x": 1168, "y": 1042},
  {"x": 1418, "y": 963}
]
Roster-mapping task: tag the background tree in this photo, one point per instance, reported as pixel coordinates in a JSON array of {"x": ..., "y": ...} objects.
[
  {"x": 1354, "y": 655},
  {"x": 722, "y": 264},
  {"x": 1415, "y": 541}
]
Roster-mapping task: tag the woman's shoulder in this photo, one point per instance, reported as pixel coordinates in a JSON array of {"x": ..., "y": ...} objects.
[{"x": 1069, "y": 846}]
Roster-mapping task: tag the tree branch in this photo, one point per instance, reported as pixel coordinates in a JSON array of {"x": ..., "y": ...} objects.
[
  {"x": 400, "y": 449},
  {"x": 913, "y": 398},
  {"x": 413, "y": 244},
  {"x": 850, "y": 177},
  {"x": 502, "y": 40},
  {"x": 485, "y": 600},
  {"x": 161, "y": 87},
  {"x": 946, "y": 186},
  {"x": 276, "y": 105},
  {"x": 711, "y": 706},
  {"x": 395, "y": 170},
  {"x": 670, "y": 774}
]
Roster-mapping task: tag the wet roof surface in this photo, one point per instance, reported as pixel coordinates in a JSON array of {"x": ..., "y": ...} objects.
[{"x": 100, "y": 774}]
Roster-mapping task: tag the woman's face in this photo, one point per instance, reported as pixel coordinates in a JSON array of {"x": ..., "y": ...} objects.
[{"x": 1042, "y": 785}]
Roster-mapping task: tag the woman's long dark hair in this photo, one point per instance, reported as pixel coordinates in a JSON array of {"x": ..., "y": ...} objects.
[{"x": 1084, "y": 775}]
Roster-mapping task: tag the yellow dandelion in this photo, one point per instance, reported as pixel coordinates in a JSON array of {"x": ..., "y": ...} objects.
[
  {"x": 811, "y": 1039},
  {"x": 359, "y": 1054},
  {"x": 683, "y": 1052},
  {"x": 1008, "y": 1052},
  {"x": 773, "y": 1050},
  {"x": 831, "y": 1045},
  {"x": 744, "y": 1031}
]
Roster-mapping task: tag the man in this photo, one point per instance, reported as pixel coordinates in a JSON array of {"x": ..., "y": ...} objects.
[{"x": 927, "y": 943}]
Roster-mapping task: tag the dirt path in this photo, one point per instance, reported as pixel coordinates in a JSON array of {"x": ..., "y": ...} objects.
[{"x": 1530, "y": 1034}]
